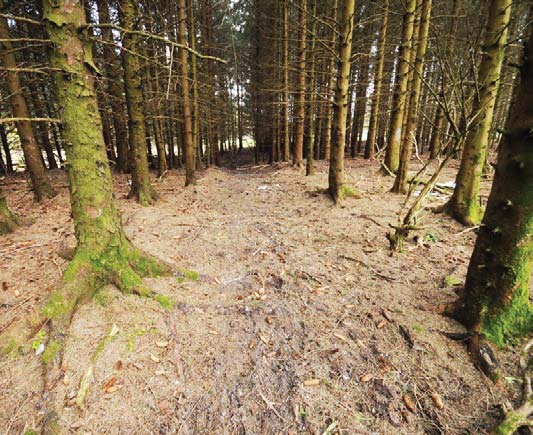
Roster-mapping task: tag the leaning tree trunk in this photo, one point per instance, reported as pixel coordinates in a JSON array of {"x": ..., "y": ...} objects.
[
  {"x": 495, "y": 303},
  {"x": 400, "y": 182},
  {"x": 9, "y": 222},
  {"x": 141, "y": 187},
  {"x": 340, "y": 108},
  {"x": 297, "y": 158},
  {"x": 464, "y": 204},
  {"x": 392, "y": 154},
  {"x": 188, "y": 146},
  {"x": 103, "y": 254},
  {"x": 32, "y": 155}
]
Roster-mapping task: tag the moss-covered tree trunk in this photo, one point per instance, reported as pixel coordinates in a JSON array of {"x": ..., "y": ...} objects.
[
  {"x": 297, "y": 157},
  {"x": 392, "y": 154},
  {"x": 370, "y": 148},
  {"x": 464, "y": 204},
  {"x": 400, "y": 182},
  {"x": 103, "y": 254},
  {"x": 141, "y": 187},
  {"x": 9, "y": 222},
  {"x": 32, "y": 155},
  {"x": 340, "y": 108},
  {"x": 188, "y": 146},
  {"x": 496, "y": 294}
]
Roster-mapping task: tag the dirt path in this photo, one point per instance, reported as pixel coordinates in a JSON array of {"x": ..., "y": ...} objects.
[{"x": 290, "y": 316}]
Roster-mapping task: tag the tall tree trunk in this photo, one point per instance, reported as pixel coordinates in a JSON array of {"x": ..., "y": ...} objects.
[
  {"x": 141, "y": 187},
  {"x": 464, "y": 204},
  {"x": 370, "y": 148},
  {"x": 103, "y": 254},
  {"x": 400, "y": 183},
  {"x": 195, "y": 93},
  {"x": 286, "y": 84},
  {"x": 496, "y": 293},
  {"x": 331, "y": 83},
  {"x": 310, "y": 168},
  {"x": 392, "y": 154},
  {"x": 32, "y": 155},
  {"x": 297, "y": 158},
  {"x": 189, "y": 152},
  {"x": 115, "y": 88},
  {"x": 437, "y": 132},
  {"x": 340, "y": 108}
]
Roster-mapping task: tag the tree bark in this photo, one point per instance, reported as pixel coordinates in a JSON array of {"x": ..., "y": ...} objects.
[
  {"x": 103, "y": 254},
  {"x": 297, "y": 158},
  {"x": 331, "y": 83},
  {"x": 141, "y": 187},
  {"x": 464, "y": 204},
  {"x": 340, "y": 108},
  {"x": 115, "y": 89},
  {"x": 370, "y": 149},
  {"x": 495, "y": 303},
  {"x": 392, "y": 154},
  {"x": 400, "y": 183},
  {"x": 9, "y": 222},
  {"x": 32, "y": 155},
  {"x": 189, "y": 152}
]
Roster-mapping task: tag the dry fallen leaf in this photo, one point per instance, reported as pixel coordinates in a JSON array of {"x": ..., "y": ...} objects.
[
  {"x": 264, "y": 339},
  {"x": 154, "y": 358},
  {"x": 437, "y": 401},
  {"x": 213, "y": 332},
  {"x": 366, "y": 378},
  {"x": 161, "y": 343},
  {"x": 409, "y": 403},
  {"x": 269, "y": 320},
  {"x": 109, "y": 383},
  {"x": 163, "y": 406},
  {"x": 312, "y": 383},
  {"x": 119, "y": 365},
  {"x": 340, "y": 337},
  {"x": 381, "y": 324}
]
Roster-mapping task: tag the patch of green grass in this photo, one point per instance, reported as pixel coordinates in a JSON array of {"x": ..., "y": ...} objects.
[
  {"x": 431, "y": 237},
  {"x": 38, "y": 340},
  {"x": 165, "y": 301},
  {"x": 103, "y": 296},
  {"x": 350, "y": 192},
  {"x": 187, "y": 275},
  {"x": 419, "y": 329},
  {"x": 452, "y": 281}
]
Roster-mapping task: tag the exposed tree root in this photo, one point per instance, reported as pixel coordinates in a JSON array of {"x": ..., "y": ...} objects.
[
  {"x": 145, "y": 195},
  {"x": 9, "y": 222},
  {"x": 480, "y": 351},
  {"x": 123, "y": 266},
  {"x": 516, "y": 418}
]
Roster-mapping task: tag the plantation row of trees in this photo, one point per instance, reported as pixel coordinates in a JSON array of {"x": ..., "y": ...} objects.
[{"x": 104, "y": 85}]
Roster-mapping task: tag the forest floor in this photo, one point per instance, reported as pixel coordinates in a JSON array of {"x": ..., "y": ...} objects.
[{"x": 291, "y": 315}]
